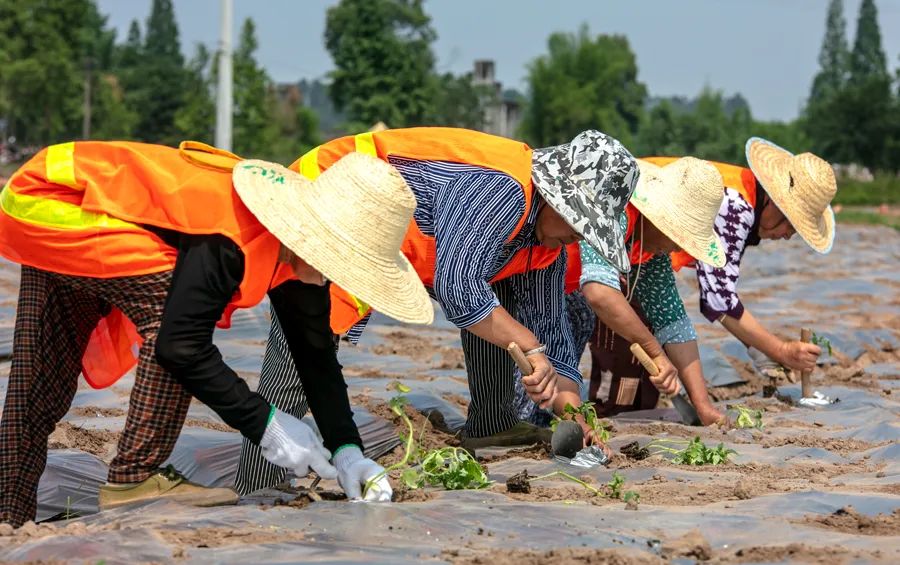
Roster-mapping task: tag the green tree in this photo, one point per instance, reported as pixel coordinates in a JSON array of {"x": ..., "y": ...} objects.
[
  {"x": 709, "y": 127},
  {"x": 868, "y": 102},
  {"x": 383, "y": 61},
  {"x": 660, "y": 133},
  {"x": 583, "y": 82},
  {"x": 47, "y": 47},
  {"x": 255, "y": 130},
  {"x": 195, "y": 119},
  {"x": 867, "y": 59},
  {"x": 459, "y": 103},
  {"x": 790, "y": 135},
  {"x": 155, "y": 84},
  {"x": 298, "y": 130},
  {"x": 834, "y": 55},
  {"x": 853, "y": 123}
]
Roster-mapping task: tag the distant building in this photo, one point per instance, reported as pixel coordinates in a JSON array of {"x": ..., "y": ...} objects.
[{"x": 502, "y": 109}]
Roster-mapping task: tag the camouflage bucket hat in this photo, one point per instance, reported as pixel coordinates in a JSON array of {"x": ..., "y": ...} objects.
[{"x": 588, "y": 182}]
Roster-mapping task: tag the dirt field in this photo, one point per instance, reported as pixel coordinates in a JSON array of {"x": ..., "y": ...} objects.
[{"x": 813, "y": 485}]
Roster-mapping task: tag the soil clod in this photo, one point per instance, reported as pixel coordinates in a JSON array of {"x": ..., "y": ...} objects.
[{"x": 519, "y": 483}]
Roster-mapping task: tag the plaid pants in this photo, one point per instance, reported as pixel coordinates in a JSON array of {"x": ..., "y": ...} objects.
[{"x": 55, "y": 317}]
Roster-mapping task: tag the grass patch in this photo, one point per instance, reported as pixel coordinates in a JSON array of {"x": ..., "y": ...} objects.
[
  {"x": 868, "y": 218},
  {"x": 885, "y": 189}
]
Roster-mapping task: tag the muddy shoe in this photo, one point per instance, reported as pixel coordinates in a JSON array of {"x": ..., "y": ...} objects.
[
  {"x": 522, "y": 433},
  {"x": 169, "y": 484}
]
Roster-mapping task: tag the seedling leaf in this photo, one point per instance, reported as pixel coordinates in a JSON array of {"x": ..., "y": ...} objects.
[{"x": 821, "y": 341}]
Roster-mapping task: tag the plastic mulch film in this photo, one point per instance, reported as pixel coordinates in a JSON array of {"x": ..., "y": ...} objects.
[{"x": 72, "y": 478}]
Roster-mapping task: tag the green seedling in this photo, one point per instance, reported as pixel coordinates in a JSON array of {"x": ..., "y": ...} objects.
[
  {"x": 521, "y": 482},
  {"x": 747, "y": 417},
  {"x": 451, "y": 467},
  {"x": 693, "y": 452},
  {"x": 615, "y": 485},
  {"x": 821, "y": 341},
  {"x": 589, "y": 413},
  {"x": 397, "y": 405},
  {"x": 631, "y": 495}
]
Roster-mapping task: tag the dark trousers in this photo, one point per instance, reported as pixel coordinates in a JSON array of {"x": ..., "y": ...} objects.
[
  {"x": 489, "y": 370},
  {"x": 54, "y": 319}
]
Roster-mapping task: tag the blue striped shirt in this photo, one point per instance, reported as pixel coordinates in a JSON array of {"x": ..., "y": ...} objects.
[{"x": 471, "y": 212}]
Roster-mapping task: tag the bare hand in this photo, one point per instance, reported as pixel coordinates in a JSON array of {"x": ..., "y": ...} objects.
[
  {"x": 667, "y": 379},
  {"x": 590, "y": 438},
  {"x": 541, "y": 383},
  {"x": 798, "y": 355},
  {"x": 709, "y": 415}
]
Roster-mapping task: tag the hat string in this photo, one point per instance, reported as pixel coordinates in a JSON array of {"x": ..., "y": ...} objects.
[{"x": 637, "y": 275}]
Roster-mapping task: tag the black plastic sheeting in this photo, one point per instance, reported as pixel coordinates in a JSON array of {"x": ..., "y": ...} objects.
[
  {"x": 339, "y": 532},
  {"x": 72, "y": 479}
]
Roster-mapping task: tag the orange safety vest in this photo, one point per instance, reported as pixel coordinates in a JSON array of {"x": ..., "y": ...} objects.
[
  {"x": 431, "y": 144},
  {"x": 78, "y": 209},
  {"x": 737, "y": 178},
  {"x": 573, "y": 260}
]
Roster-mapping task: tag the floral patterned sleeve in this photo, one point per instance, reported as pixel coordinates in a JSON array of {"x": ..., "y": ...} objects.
[
  {"x": 658, "y": 296},
  {"x": 718, "y": 286}
]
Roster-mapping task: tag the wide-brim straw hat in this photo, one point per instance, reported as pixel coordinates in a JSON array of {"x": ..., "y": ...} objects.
[
  {"x": 802, "y": 186},
  {"x": 348, "y": 224},
  {"x": 682, "y": 199},
  {"x": 588, "y": 182}
]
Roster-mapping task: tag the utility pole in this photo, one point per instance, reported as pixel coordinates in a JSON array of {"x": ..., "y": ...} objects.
[{"x": 223, "y": 92}]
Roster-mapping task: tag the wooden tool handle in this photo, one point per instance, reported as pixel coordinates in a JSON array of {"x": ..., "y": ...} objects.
[
  {"x": 805, "y": 384},
  {"x": 645, "y": 359},
  {"x": 519, "y": 357},
  {"x": 648, "y": 364}
]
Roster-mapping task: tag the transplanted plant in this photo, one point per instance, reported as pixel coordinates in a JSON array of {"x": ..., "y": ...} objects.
[
  {"x": 589, "y": 413},
  {"x": 747, "y": 417},
  {"x": 521, "y": 482},
  {"x": 451, "y": 467},
  {"x": 693, "y": 452},
  {"x": 821, "y": 341}
]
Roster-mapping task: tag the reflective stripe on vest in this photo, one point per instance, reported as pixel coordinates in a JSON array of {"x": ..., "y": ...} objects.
[
  {"x": 309, "y": 167},
  {"x": 52, "y": 213},
  {"x": 60, "y": 163}
]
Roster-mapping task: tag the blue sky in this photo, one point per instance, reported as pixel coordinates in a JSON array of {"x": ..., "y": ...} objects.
[{"x": 765, "y": 49}]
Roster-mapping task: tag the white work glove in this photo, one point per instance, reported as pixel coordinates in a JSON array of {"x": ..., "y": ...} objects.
[
  {"x": 290, "y": 443},
  {"x": 355, "y": 470}
]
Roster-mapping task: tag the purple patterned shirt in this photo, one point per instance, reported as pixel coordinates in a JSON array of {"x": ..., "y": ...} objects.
[{"x": 736, "y": 225}]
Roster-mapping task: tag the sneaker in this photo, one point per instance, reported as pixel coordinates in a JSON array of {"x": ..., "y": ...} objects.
[
  {"x": 521, "y": 434},
  {"x": 167, "y": 483}
]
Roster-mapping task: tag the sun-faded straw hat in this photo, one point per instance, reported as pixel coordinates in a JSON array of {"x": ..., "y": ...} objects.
[
  {"x": 802, "y": 186},
  {"x": 588, "y": 183},
  {"x": 348, "y": 224},
  {"x": 682, "y": 199}
]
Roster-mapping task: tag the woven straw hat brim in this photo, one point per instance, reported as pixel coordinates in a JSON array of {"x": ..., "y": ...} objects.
[
  {"x": 771, "y": 165},
  {"x": 292, "y": 212},
  {"x": 672, "y": 213},
  {"x": 695, "y": 246}
]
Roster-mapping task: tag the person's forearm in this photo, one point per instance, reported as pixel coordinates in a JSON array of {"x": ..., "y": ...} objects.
[
  {"x": 613, "y": 310},
  {"x": 753, "y": 334},
  {"x": 501, "y": 329},
  {"x": 199, "y": 368},
  {"x": 686, "y": 358},
  {"x": 302, "y": 311},
  {"x": 568, "y": 393}
]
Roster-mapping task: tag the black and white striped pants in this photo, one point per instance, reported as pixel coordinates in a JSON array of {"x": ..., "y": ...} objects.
[{"x": 489, "y": 369}]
